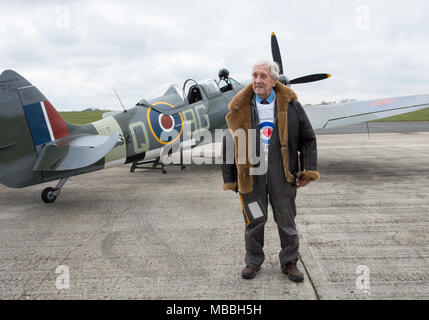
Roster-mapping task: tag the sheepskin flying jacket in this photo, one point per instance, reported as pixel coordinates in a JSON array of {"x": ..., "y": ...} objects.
[{"x": 297, "y": 139}]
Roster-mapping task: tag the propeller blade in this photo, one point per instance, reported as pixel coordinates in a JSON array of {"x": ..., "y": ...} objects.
[
  {"x": 311, "y": 78},
  {"x": 275, "y": 50}
]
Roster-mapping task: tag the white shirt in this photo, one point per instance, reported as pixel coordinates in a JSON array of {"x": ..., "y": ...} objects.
[{"x": 266, "y": 124}]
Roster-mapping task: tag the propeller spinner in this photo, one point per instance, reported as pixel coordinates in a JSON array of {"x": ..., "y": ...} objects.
[{"x": 275, "y": 50}]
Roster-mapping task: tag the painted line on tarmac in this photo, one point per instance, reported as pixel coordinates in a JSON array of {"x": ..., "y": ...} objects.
[{"x": 379, "y": 146}]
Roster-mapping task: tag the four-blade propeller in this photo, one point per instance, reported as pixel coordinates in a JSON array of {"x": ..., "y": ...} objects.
[{"x": 275, "y": 50}]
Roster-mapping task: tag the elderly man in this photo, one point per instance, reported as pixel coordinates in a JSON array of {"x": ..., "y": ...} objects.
[{"x": 285, "y": 145}]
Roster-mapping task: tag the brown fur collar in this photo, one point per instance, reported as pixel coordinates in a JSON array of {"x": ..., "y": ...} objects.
[
  {"x": 283, "y": 96},
  {"x": 240, "y": 117}
]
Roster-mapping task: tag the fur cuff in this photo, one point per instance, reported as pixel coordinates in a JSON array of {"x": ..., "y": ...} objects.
[
  {"x": 230, "y": 186},
  {"x": 308, "y": 175}
]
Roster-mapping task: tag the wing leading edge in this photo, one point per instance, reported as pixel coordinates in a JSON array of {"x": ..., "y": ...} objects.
[{"x": 337, "y": 115}]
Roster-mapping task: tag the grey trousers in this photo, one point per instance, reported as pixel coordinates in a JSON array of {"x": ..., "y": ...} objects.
[{"x": 281, "y": 196}]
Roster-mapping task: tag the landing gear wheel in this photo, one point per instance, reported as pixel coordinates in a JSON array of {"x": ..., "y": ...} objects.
[{"x": 48, "y": 195}]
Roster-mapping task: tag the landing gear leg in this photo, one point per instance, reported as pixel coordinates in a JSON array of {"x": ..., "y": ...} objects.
[
  {"x": 49, "y": 195},
  {"x": 182, "y": 167}
]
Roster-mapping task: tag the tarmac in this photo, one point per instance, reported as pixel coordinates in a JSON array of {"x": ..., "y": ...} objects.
[{"x": 112, "y": 234}]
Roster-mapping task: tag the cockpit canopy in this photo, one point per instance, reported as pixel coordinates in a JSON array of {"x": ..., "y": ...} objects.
[{"x": 210, "y": 87}]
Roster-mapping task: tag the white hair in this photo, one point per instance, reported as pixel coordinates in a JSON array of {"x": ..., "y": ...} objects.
[{"x": 274, "y": 67}]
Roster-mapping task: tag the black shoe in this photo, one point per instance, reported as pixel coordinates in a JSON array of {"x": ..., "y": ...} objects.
[
  {"x": 292, "y": 271},
  {"x": 249, "y": 272}
]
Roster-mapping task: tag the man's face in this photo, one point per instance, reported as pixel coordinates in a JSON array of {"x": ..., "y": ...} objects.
[{"x": 262, "y": 82}]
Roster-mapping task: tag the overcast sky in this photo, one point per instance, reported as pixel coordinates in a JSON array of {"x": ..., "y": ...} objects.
[{"x": 78, "y": 52}]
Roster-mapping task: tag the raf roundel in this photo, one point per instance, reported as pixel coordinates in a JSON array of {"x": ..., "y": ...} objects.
[
  {"x": 165, "y": 128},
  {"x": 266, "y": 130}
]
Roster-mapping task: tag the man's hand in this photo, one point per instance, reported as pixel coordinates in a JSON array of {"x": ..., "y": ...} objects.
[{"x": 302, "y": 183}]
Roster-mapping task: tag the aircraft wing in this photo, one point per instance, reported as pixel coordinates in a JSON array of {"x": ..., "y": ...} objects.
[
  {"x": 74, "y": 152},
  {"x": 337, "y": 115}
]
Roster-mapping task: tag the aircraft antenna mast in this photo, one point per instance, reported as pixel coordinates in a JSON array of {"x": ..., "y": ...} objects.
[{"x": 120, "y": 101}]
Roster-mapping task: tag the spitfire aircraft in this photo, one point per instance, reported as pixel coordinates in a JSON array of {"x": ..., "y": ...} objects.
[{"x": 38, "y": 146}]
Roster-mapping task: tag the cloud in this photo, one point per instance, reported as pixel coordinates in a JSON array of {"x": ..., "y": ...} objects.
[{"x": 77, "y": 52}]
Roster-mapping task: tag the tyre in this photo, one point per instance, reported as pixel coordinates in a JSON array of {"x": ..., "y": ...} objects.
[{"x": 48, "y": 195}]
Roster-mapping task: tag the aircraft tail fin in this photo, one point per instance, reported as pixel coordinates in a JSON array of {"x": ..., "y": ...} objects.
[{"x": 27, "y": 122}]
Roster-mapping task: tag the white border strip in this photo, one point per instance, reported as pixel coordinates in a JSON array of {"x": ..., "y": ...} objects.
[{"x": 48, "y": 123}]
